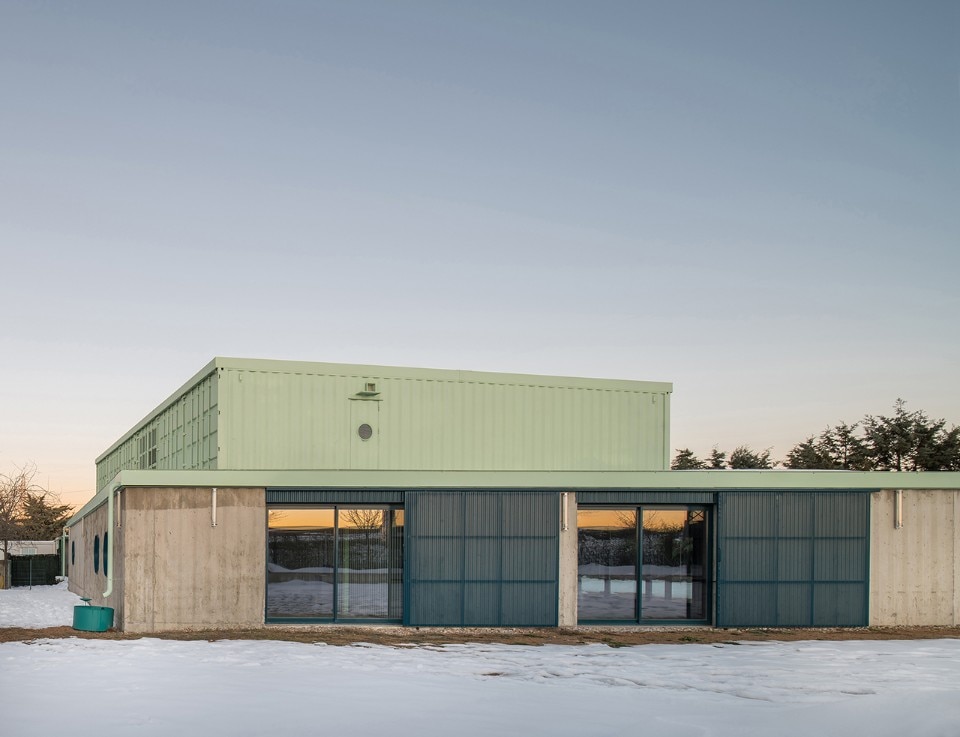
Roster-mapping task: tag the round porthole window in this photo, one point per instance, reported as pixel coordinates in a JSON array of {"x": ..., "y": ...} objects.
[{"x": 365, "y": 431}]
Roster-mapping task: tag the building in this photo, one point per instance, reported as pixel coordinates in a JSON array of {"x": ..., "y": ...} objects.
[{"x": 269, "y": 491}]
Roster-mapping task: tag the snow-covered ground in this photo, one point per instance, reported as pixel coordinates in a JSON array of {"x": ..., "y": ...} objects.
[
  {"x": 153, "y": 687},
  {"x": 41, "y": 606}
]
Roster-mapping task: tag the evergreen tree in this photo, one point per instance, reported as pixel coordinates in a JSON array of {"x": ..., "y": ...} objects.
[
  {"x": 42, "y": 518},
  {"x": 744, "y": 457},
  {"x": 844, "y": 448},
  {"x": 717, "y": 459},
  {"x": 807, "y": 454},
  {"x": 685, "y": 460},
  {"x": 19, "y": 493},
  {"x": 836, "y": 448},
  {"x": 910, "y": 441}
]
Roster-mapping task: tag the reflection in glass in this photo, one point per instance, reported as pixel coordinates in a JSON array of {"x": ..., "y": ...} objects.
[
  {"x": 370, "y": 568},
  {"x": 673, "y": 574},
  {"x": 300, "y": 564},
  {"x": 607, "y": 564},
  {"x": 671, "y": 561},
  {"x": 344, "y": 563}
]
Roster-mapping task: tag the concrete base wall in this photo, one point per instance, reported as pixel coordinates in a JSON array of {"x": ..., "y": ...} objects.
[
  {"x": 567, "y": 604},
  {"x": 914, "y": 570},
  {"x": 181, "y": 572},
  {"x": 83, "y": 580},
  {"x": 174, "y": 570}
]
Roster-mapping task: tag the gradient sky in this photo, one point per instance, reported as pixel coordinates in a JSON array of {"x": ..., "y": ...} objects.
[{"x": 757, "y": 201}]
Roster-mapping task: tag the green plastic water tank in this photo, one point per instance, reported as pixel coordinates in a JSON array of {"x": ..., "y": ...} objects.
[{"x": 92, "y": 618}]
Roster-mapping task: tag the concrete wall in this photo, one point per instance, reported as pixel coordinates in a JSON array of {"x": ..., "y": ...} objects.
[
  {"x": 83, "y": 581},
  {"x": 182, "y": 572},
  {"x": 914, "y": 571},
  {"x": 567, "y": 589}
]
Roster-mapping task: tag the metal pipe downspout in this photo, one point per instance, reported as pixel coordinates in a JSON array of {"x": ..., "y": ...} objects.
[
  {"x": 110, "y": 561},
  {"x": 63, "y": 553},
  {"x": 898, "y": 511}
]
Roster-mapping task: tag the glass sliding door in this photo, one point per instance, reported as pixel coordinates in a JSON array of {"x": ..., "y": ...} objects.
[
  {"x": 607, "y": 564},
  {"x": 370, "y": 564},
  {"x": 674, "y": 575},
  {"x": 642, "y": 564},
  {"x": 337, "y": 563},
  {"x": 300, "y": 563}
]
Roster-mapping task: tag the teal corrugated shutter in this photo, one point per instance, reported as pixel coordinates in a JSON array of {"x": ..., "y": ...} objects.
[
  {"x": 482, "y": 558},
  {"x": 792, "y": 559}
]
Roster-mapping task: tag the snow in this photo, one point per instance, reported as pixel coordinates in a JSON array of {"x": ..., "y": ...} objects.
[
  {"x": 43, "y": 606},
  {"x": 153, "y": 687}
]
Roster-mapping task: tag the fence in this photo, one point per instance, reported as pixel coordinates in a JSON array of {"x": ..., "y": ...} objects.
[{"x": 34, "y": 570}]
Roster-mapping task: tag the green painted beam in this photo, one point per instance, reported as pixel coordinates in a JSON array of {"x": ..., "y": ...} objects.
[{"x": 767, "y": 480}]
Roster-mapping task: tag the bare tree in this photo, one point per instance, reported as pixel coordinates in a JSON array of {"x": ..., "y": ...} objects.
[
  {"x": 17, "y": 489},
  {"x": 370, "y": 523},
  {"x": 368, "y": 520}
]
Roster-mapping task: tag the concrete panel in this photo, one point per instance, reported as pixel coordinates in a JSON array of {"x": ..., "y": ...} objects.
[
  {"x": 914, "y": 578},
  {"x": 83, "y": 580},
  {"x": 567, "y": 599},
  {"x": 182, "y": 572}
]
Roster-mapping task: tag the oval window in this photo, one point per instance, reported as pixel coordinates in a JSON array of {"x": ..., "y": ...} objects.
[
  {"x": 105, "y": 554},
  {"x": 96, "y": 554},
  {"x": 73, "y": 552}
]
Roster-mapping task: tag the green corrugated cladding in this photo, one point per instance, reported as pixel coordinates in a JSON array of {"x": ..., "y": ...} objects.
[
  {"x": 792, "y": 558},
  {"x": 181, "y": 433},
  {"x": 250, "y": 414},
  {"x": 479, "y": 559}
]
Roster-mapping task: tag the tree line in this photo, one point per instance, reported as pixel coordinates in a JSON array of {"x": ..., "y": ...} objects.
[
  {"x": 27, "y": 510},
  {"x": 903, "y": 441}
]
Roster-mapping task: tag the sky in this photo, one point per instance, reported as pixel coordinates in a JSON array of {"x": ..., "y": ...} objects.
[{"x": 754, "y": 201}]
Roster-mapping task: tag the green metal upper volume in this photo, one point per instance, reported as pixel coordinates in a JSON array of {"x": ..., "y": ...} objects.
[{"x": 258, "y": 414}]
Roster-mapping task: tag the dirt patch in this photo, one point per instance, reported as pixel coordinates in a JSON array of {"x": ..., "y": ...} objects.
[{"x": 413, "y": 636}]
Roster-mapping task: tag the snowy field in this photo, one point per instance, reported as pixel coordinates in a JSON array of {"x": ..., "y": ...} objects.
[{"x": 153, "y": 687}]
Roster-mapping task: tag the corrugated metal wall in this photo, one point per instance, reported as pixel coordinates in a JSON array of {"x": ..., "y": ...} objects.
[
  {"x": 481, "y": 558},
  {"x": 182, "y": 435},
  {"x": 335, "y": 496},
  {"x": 277, "y": 419},
  {"x": 637, "y": 496},
  {"x": 792, "y": 558}
]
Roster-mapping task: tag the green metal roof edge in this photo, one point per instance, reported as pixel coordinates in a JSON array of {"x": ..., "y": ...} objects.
[
  {"x": 97, "y": 500},
  {"x": 767, "y": 480},
  {"x": 434, "y": 374},
  {"x": 190, "y": 383}
]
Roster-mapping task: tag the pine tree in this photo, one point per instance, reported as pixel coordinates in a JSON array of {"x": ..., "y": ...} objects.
[
  {"x": 807, "y": 454},
  {"x": 717, "y": 459},
  {"x": 42, "y": 518},
  {"x": 910, "y": 441},
  {"x": 685, "y": 460},
  {"x": 743, "y": 457}
]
